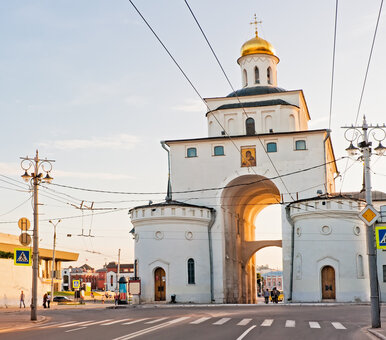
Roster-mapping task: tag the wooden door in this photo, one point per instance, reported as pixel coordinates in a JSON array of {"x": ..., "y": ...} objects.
[
  {"x": 160, "y": 285},
  {"x": 328, "y": 283}
]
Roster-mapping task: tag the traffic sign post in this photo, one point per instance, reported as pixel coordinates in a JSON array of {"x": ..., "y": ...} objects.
[
  {"x": 369, "y": 215},
  {"x": 22, "y": 257},
  {"x": 25, "y": 239},
  {"x": 76, "y": 284}
]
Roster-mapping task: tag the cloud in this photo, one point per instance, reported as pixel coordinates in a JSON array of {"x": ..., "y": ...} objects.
[
  {"x": 191, "y": 105},
  {"x": 120, "y": 141}
]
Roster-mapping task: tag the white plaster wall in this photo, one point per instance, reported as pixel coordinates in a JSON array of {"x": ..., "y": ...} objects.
[
  {"x": 262, "y": 61},
  {"x": 170, "y": 249},
  {"x": 339, "y": 249},
  {"x": 15, "y": 279}
]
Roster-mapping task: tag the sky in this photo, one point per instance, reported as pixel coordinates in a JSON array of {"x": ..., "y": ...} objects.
[{"x": 87, "y": 84}]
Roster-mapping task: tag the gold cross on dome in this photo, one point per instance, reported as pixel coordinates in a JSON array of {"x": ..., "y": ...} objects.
[{"x": 255, "y": 22}]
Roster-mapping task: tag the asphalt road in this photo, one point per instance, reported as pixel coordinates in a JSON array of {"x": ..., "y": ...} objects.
[{"x": 214, "y": 322}]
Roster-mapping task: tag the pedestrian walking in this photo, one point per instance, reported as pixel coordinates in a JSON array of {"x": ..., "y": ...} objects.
[
  {"x": 116, "y": 296},
  {"x": 22, "y": 297},
  {"x": 277, "y": 293},
  {"x": 45, "y": 300},
  {"x": 266, "y": 296},
  {"x": 48, "y": 300}
]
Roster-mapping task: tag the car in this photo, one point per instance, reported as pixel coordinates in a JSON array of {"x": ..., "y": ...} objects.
[
  {"x": 280, "y": 297},
  {"x": 61, "y": 299}
]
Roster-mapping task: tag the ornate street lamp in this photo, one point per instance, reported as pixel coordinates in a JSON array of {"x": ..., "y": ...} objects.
[{"x": 35, "y": 178}]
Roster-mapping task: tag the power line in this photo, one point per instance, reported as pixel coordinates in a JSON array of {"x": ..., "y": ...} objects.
[
  {"x": 197, "y": 190},
  {"x": 333, "y": 64}
]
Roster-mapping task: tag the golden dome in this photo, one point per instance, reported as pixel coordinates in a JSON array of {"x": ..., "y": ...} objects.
[{"x": 257, "y": 46}]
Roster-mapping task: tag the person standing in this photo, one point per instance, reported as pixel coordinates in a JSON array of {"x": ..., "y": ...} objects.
[
  {"x": 45, "y": 300},
  {"x": 266, "y": 296},
  {"x": 22, "y": 297},
  {"x": 49, "y": 300},
  {"x": 116, "y": 296}
]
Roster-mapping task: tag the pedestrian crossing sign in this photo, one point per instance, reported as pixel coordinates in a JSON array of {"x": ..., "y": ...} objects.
[
  {"x": 380, "y": 236},
  {"x": 22, "y": 257}
]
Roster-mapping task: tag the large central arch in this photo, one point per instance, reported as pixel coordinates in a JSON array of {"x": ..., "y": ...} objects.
[{"x": 241, "y": 201}]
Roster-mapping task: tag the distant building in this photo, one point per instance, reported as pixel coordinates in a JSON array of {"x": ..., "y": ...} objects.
[
  {"x": 125, "y": 270},
  {"x": 20, "y": 277},
  {"x": 84, "y": 273},
  {"x": 273, "y": 279}
]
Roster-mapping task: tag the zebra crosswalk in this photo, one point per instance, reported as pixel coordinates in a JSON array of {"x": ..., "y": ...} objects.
[{"x": 73, "y": 326}]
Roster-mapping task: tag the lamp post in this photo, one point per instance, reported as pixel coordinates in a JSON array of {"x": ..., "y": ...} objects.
[
  {"x": 360, "y": 135},
  {"x": 36, "y": 177},
  {"x": 53, "y": 259}
]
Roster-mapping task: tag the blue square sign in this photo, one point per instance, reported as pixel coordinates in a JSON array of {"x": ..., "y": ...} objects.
[
  {"x": 380, "y": 235},
  {"x": 22, "y": 257}
]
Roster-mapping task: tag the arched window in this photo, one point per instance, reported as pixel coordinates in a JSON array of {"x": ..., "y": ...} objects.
[
  {"x": 257, "y": 77},
  {"x": 268, "y": 123},
  {"x": 250, "y": 126},
  {"x": 269, "y": 75},
  {"x": 360, "y": 270},
  {"x": 191, "y": 152},
  {"x": 300, "y": 145},
  {"x": 291, "y": 122},
  {"x": 191, "y": 274},
  {"x": 218, "y": 150},
  {"x": 271, "y": 147},
  {"x": 245, "y": 78}
]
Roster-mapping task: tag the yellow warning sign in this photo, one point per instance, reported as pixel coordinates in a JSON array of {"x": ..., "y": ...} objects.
[{"x": 369, "y": 215}]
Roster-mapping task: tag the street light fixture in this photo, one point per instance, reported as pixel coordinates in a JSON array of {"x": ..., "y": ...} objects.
[
  {"x": 360, "y": 134},
  {"x": 36, "y": 165},
  {"x": 53, "y": 258}
]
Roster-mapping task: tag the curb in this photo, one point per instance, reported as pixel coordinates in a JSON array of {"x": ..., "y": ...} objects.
[{"x": 376, "y": 333}]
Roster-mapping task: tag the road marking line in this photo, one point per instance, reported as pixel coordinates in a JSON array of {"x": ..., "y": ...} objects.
[
  {"x": 75, "y": 329},
  {"x": 135, "y": 321},
  {"x": 113, "y": 322},
  {"x": 96, "y": 322},
  {"x": 196, "y": 322},
  {"x": 221, "y": 321},
  {"x": 150, "y": 329},
  {"x": 246, "y": 332},
  {"x": 338, "y": 325},
  {"x": 56, "y": 324},
  {"x": 155, "y": 321},
  {"x": 290, "y": 323},
  {"x": 267, "y": 323},
  {"x": 76, "y": 323},
  {"x": 314, "y": 324},
  {"x": 244, "y": 322}
]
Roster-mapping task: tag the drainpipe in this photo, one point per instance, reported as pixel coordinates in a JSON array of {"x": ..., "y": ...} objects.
[
  {"x": 210, "y": 225},
  {"x": 168, "y": 197},
  {"x": 291, "y": 222}
]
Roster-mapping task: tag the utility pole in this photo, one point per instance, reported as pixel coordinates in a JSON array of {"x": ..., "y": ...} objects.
[
  {"x": 53, "y": 259},
  {"x": 361, "y": 135},
  {"x": 119, "y": 268},
  {"x": 36, "y": 165}
]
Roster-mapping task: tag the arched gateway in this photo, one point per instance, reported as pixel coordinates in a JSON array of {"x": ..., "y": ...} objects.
[{"x": 242, "y": 200}]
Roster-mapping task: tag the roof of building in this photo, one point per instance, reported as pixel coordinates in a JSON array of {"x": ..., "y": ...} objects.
[
  {"x": 169, "y": 203},
  {"x": 9, "y": 242},
  {"x": 245, "y": 136},
  {"x": 255, "y": 90},
  {"x": 254, "y": 104},
  {"x": 273, "y": 273},
  {"x": 353, "y": 195}
]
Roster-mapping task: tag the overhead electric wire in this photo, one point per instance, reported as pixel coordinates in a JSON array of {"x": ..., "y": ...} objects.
[
  {"x": 197, "y": 190},
  {"x": 18, "y": 206},
  {"x": 333, "y": 64},
  {"x": 194, "y": 88}
]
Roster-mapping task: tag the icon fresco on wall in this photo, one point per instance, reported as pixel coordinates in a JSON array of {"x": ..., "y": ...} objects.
[{"x": 248, "y": 156}]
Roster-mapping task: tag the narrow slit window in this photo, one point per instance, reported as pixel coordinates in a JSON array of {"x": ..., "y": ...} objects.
[
  {"x": 191, "y": 273},
  {"x": 269, "y": 75},
  {"x": 271, "y": 147},
  {"x": 191, "y": 152},
  {"x": 245, "y": 77},
  {"x": 257, "y": 76}
]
